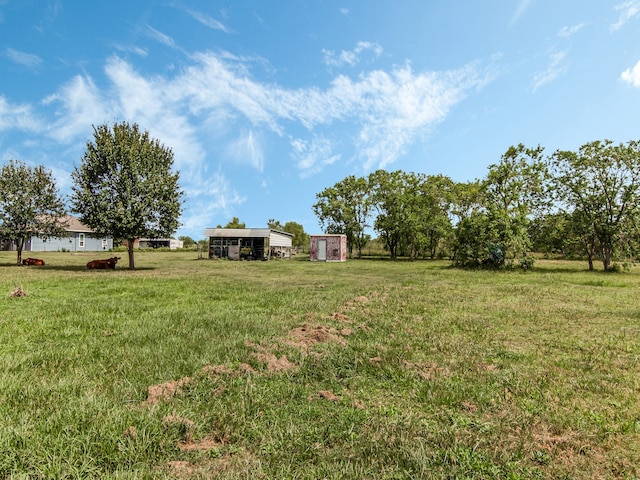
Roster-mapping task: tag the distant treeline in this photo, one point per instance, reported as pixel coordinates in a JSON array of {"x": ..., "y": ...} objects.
[{"x": 580, "y": 204}]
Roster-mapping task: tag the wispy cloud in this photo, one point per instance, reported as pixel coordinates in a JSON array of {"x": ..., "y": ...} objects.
[
  {"x": 520, "y": 11},
  {"x": 628, "y": 10},
  {"x": 351, "y": 57},
  {"x": 159, "y": 36},
  {"x": 569, "y": 31},
  {"x": 18, "y": 117},
  {"x": 386, "y": 111},
  {"x": 247, "y": 150},
  {"x": 555, "y": 69},
  {"x": 28, "y": 60},
  {"x": 207, "y": 20},
  {"x": 141, "y": 52},
  {"x": 632, "y": 75},
  {"x": 198, "y": 111},
  {"x": 313, "y": 155}
]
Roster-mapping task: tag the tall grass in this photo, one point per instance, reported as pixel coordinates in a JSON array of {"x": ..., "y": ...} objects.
[{"x": 189, "y": 368}]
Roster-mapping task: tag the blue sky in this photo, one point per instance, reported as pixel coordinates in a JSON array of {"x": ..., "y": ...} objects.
[{"x": 266, "y": 103}]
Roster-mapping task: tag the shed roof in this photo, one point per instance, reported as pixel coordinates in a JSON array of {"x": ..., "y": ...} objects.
[{"x": 242, "y": 232}]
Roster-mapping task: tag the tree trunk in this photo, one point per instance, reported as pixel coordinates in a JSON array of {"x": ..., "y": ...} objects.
[
  {"x": 606, "y": 258},
  {"x": 19, "y": 247},
  {"x": 590, "y": 259},
  {"x": 132, "y": 265}
]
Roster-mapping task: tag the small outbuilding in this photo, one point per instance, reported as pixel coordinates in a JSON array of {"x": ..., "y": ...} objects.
[
  {"x": 328, "y": 248},
  {"x": 248, "y": 243}
]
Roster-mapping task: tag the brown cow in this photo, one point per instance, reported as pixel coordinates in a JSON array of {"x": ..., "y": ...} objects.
[
  {"x": 33, "y": 261},
  {"x": 103, "y": 264}
]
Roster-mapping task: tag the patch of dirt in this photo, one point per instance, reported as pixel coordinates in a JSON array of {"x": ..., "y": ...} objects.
[
  {"x": 375, "y": 361},
  {"x": 181, "y": 469},
  {"x": 246, "y": 368},
  {"x": 130, "y": 432},
  {"x": 203, "y": 445},
  {"x": 328, "y": 395},
  {"x": 238, "y": 465},
  {"x": 178, "y": 420},
  {"x": 275, "y": 364},
  {"x": 341, "y": 317},
  {"x": 165, "y": 391},
  {"x": 305, "y": 336}
]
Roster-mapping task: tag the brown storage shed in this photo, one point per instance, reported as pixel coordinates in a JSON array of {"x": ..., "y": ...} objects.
[{"x": 328, "y": 248}]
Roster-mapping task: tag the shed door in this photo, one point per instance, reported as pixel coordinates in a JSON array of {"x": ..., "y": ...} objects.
[{"x": 322, "y": 250}]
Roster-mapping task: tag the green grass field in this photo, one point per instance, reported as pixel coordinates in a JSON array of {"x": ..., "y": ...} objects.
[{"x": 373, "y": 369}]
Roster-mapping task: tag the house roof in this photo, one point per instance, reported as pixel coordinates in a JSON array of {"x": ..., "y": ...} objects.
[{"x": 75, "y": 225}]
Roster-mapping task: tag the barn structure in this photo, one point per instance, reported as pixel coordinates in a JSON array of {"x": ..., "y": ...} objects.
[
  {"x": 328, "y": 248},
  {"x": 78, "y": 238},
  {"x": 248, "y": 243}
]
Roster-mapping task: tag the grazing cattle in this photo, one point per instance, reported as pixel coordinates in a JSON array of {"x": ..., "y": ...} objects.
[
  {"x": 103, "y": 264},
  {"x": 33, "y": 261}
]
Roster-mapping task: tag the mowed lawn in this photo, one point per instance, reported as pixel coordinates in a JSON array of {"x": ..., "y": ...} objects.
[{"x": 188, "y": 368}]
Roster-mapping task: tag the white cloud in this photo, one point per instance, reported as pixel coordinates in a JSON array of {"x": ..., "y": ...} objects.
[
  {"x": 208, "y": 21},
  {"x": 555, "y": 69},
  {"x": 572, "y": 30},
  {"x": 211, "y": 197},
  {"x": 159, "y": 36},
  {"x": 28, "y": 60},
  {"x": 17, "y": 117},
  {"x": 215, "y": 110},
  {"x": 141, "y": 52},
  {"x": 520, "y": 11},
  {"x": 628, "y": 10},
  {"x": 352, "y": 57},
  {"x": 247, "y": 150},
  {"x": 632, "y": 75},
  {"x": 80, "y": 106},
  {"x": 311, "y": 156}
]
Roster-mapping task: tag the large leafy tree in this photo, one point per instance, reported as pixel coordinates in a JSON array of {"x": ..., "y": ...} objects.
[
  {"x": 496, "y": 227},
  {"x": 387, "y": 197},
  {"x": 514, "y": 191},
  {"x": 125, "y": 186},
  {"x": 234, "y": 223},
  {"x": 29, "y": 204},
  {"x": 600, "y": 187},
  {"x": 345, "y": 209},
  {"x": 300, "y": 237}
]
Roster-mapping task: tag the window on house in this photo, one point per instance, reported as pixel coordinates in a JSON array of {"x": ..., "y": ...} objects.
[
  {"x": 104, "y": 243},
  {"x": 81, "y": 240}
]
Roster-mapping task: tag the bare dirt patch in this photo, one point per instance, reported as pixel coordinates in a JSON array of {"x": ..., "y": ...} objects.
[
  {"x": 275, "y": 364},
  {"x": 328, "y": 395},
  {"x": 305, "y": 336},
  {"x": 165, "y": 391},
  {"x": 205, "y": 444}
]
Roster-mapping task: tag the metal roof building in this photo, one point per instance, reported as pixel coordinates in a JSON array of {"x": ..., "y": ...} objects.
[{"x": 248, "y": 243}]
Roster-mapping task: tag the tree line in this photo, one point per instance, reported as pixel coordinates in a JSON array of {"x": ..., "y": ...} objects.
[{"x": 580, "y": 204}]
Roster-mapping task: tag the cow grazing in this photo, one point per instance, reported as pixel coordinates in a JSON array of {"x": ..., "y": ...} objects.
[
  {"x": 103, "y": 264},
  {"x": 38, "y": 262}
]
